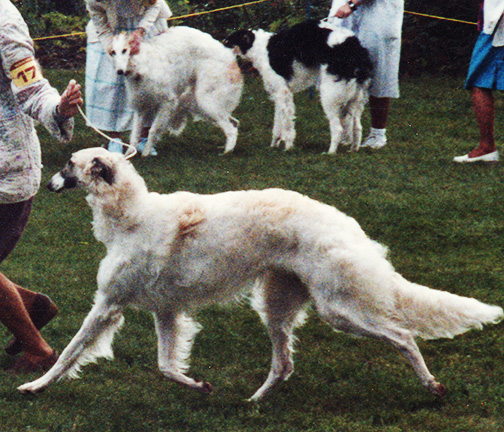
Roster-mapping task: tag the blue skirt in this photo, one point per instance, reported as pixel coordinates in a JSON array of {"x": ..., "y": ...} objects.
[
  {"x": 108, "y": 104},
  {"x": 486, "y": 69}
]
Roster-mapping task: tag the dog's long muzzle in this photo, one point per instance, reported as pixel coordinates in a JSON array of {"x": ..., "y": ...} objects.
[{"x": 59, "y": 182}]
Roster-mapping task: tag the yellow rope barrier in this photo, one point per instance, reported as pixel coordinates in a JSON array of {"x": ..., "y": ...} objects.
[
  {"x": 243, "y": 5},
  {"x": 59, "y": 36},
  {"x": 439, "y": 18},
  {"x": 216, "y": 10},
  {"x": 169, "y": 19}
]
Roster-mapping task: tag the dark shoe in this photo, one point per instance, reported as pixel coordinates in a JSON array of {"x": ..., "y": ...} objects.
[
  {"x": 24, "y": 365},
  {"x": 41, "y": 312}
]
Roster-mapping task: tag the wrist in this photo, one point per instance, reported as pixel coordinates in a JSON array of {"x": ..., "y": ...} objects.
[{"x": 58, "y": 117}]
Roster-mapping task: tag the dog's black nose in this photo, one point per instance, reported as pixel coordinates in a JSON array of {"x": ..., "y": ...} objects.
[{"x": 120, "y": 72}]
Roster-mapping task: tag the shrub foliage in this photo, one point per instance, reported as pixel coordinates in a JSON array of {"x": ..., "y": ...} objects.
[{"x": 430, "y": 45}]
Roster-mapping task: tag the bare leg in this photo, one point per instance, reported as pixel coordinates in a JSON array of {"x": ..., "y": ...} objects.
[
  {"x": 484, "y": 110},
  {"x": 379, "y": 109},
  {"x": 14, "y": 315}
]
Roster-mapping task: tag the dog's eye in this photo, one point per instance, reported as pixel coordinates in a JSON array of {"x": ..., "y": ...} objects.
[
  {"x": 112, "y": 53},
  {"x": 124, "y": 51}
]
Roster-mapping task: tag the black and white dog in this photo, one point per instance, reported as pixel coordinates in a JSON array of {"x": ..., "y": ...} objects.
[{"x": 307, "y": 54}]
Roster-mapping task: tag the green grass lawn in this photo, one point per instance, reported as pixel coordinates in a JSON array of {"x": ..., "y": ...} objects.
[{"x": 442, "y": 222}]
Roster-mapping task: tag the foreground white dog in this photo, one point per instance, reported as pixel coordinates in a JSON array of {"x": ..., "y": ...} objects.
[
  {"x": 174, "y": 254},
  {"x": 180, "y": 73},
  {"x": 308, "y": 54}
]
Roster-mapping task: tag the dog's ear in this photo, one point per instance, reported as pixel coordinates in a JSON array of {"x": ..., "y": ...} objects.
[{"x": 102, "y": 170}]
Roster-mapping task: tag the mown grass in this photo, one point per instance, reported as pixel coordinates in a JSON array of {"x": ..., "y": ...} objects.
[{"x": 442, "y": 222}]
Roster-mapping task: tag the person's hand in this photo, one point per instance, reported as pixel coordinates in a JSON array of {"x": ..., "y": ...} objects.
[
  {"x": 344, "y": 11},
  {"x": 70, "y": 99},
  {"x": 136, "y": 38}
]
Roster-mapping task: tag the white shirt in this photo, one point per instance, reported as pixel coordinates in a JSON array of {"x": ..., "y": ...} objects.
[{"x": 493, "y": 22}]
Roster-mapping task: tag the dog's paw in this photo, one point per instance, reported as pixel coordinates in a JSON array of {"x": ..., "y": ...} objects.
[
  {"x": 438, "y": 389},
  {"x": 205, "y": 387},
  {"x": 31, "y": 389}
]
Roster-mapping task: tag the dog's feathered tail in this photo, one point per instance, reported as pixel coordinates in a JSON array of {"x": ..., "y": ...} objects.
[
  {"x": 101, "y": 347},
  {"x": 433, "y": 314}
]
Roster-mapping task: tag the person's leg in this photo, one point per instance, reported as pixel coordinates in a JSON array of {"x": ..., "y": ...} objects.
[
  {"x": 379, "y": 108},
  {"x": 484, "y": 110},
  {"x": 41, "y": 310},
  {"x": 14, "y": 315},
  {"x": 16, "y": 302}
]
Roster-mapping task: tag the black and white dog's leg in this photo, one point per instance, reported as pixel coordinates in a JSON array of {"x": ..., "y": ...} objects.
[
  {"x": 357, "y": 109},
  {"x": 176, "y": 333},
  {"x": 333, "y": 99},
  {"x": 93, "y": 340},
  {"x": 283, "y": 123}
]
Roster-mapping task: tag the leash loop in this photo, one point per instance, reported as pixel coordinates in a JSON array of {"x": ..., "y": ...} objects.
[{"x": 132, "y": 151}]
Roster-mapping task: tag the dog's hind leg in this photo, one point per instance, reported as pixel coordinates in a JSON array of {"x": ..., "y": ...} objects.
[
  {"x": 283, "y": 123},
  {"x": 405, "y": 343},
  {"x": 175, "y": 338},
  {"x": 356, "y": 110},
  {"x": 395, "y": 336},
  {"x": 333, "y": 109},
  {"x": 229, "y": 126},
  {"x": 280, "y": 300},
  {"x": 93, "y": 340}
]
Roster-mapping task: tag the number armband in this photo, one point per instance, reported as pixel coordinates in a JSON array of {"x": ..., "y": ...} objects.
[{"x": 25, "y": 72}]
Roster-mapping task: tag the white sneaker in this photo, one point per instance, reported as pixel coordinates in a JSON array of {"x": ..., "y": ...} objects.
[
  {"x": 375, "y": 140},
  {"x": 489, "y": 157},
  {"x": 141, "y": 147}
]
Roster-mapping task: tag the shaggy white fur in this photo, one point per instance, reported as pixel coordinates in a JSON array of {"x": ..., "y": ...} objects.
[
  {"x": 175, "y": 254},
  {"x": 180, "y": 73},
  {"x": 343, "y": 100}
]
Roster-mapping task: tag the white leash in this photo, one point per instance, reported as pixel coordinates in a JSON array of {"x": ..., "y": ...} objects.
[{"x": 132, "y": 151}]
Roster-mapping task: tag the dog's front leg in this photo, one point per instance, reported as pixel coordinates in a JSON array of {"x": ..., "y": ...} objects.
[
  {"x": 136, "y": 128},
  {"x": 93, "y": 340},
  {"x": 159, "y": 125},
  {"x": 176, "y": 333}
]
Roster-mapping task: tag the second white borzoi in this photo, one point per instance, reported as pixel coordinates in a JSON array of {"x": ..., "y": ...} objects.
[
  {"x": 308, "y": 54},
  {"x": 175, "y": 254},
  {"x": 180, "y": 73}
]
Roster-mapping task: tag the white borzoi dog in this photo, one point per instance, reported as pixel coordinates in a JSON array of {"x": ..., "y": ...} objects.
[
  {"x": 310, "y": 54},
  {"x": 180, "y": 73},
  {"x": 174, "y": 254}
]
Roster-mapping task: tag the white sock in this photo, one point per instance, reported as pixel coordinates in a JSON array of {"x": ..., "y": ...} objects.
[{"x": 377, "y": 132}]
